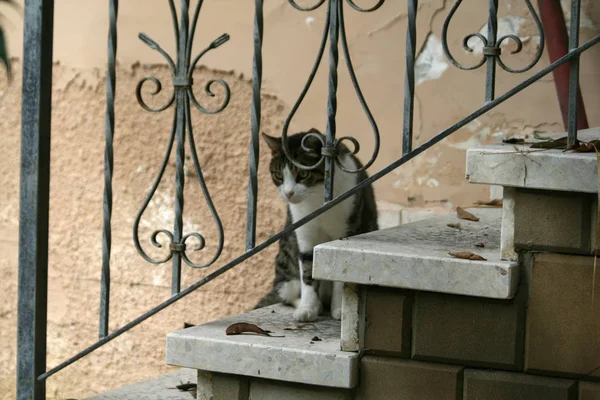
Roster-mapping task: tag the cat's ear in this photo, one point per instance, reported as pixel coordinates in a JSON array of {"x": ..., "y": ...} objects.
[
  {"x": 273, "y": 143},
  {"x": 314, "y": 130}
]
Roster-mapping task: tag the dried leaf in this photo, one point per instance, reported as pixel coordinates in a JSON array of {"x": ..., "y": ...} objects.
[
  {"x": 538, "y": 136},
  {"x": 551, "y": 144},
  {"x": 316, "y": 339},
  {"x": 462, "y": 214},
  {"x": 480, "y": 245},
  {"x": 187, "y": 325},
  {"x": 586, "y": 147},
  {"x": 514, "y": 141},
  {"x": 244, "y": 327},
  {"x": 187, "y": 387},
  {"x": 455, "y": 226},
  {"x": 491, "y": 203},
  {"x": 297, "y": 327},
  {"x": 467, "y": 255}
]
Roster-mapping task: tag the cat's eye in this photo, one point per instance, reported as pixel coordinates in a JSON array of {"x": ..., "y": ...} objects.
[
  {"x": 303, "y": 174},
  {"x": 278, "y": 175}
]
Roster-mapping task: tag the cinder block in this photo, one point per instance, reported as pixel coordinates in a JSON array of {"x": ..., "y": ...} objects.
[
  {"x": 397, "y": 379},
  {"x": 495, "y": 385},
  {"x": 553, "y": 221},
  {"x": 215, "y": 386},
  {"x": 261, "y": 389},
  {"x": 469, "y": 331},
  {"x": 563, "y": 333},
  {"x": 388, "y": 321},
  {"x": 589, "y": 391}
]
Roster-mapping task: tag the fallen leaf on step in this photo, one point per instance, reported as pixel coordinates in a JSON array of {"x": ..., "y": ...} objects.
[
  {"x": 491, "y": 203},
  {"x": 186, "y": 387},
  {"x": 462, "y": 214},
  {"x": 467, "y": 255},
  {"x": 316, "y": 339},
  {"x": 538, "y": 135},
  {"x": 187, "y": 325},
  {"x": 551, "y": 144},
  {"x": 514, "y": 140},
  {"x": 297, "y": 327},
  {"x": 244, "y": 327},
  {"x": 455, "y": 226},
  {"x": 586, "y": 147},
  {"x": 480, "y": 245}
]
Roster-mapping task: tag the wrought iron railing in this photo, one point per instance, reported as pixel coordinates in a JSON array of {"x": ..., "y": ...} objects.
[{"x": 35, "y": 153}]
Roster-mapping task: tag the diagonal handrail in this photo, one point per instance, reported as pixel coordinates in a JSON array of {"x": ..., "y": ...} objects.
[{"x": 574, "y": 53}]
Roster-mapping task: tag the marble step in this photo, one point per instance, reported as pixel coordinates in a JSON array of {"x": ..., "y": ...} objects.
[
  {"x": 522, "y": 167},
  {"x": 415, "y": 256},
  {"x": 296, "y": 357},
  {"x": 162, "y": 387}
]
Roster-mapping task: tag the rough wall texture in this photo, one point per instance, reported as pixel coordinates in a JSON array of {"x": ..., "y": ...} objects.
[
  {"x": 436, "y": 179},
  {"x": 75, "y": 241}
]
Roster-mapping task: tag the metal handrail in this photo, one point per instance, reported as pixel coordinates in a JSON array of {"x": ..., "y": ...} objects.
[{"x": 36, "y": 149}]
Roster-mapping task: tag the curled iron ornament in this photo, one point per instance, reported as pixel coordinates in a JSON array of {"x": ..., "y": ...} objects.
[
  {"x": 493, "y": 49},
  {"x": 182, "y": 97},
  {"x": 333, "y": 150}
]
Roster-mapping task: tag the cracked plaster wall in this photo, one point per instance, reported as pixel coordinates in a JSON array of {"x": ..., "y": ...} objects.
[{"x": 435, "y": 180}]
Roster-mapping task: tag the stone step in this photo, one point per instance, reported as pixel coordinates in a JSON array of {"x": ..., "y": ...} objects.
[
  {"x": 522, "y": 167},
  {"x": 296, "y": 357},
  {"x": 159, "y": 388},
  {"x": 415, "y": 256}
]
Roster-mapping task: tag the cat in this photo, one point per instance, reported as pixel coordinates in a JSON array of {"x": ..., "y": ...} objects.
[{"x": 303, "y": 191}]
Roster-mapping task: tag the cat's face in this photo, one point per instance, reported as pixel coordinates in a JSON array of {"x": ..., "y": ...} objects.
[{"x": 296, "y": 185}]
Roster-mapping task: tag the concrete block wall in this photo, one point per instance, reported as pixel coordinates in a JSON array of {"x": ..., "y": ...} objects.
[
  {"x": 544, "y": 344},
  {"x": 216, "y": 386}
]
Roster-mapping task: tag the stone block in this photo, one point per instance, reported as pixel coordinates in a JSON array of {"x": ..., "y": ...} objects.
[
  {"x": 468, "y": 330},
  {"x": 563, "y": 333},
  {"x": 589, "y": 391},
  {"x": 553, "y": 221},
  {"x": 388, "y": 321},
  {"x": 273, "y": 390},
  {"x": 392, "y": 378},
  {"x": 496, "y": 385},
  {"x": 352, "y": 325},
  {"x": 214, "y": 386}
]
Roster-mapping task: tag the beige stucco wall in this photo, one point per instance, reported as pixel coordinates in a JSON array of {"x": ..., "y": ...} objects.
[{"x": 434, "y": 180}]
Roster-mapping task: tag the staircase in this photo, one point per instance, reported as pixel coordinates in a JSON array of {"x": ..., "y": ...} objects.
[{"x": 418, "y": 323}]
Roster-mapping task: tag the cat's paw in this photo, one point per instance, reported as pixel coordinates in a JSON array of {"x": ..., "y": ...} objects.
[
  {"x": 306, "y": 314},
  {"x": 336, "y": 313}
]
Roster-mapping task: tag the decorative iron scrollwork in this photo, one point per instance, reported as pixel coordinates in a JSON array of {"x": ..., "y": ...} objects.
[
  {"x": 334, "y": 28},
  {"x": 183, "y": 95},
  {"x": 492, "y": 45}
]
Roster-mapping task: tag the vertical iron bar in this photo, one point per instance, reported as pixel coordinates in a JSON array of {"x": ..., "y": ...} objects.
[
  {"x": 409, "y": 81},
  {"x": 181, "y": 97},
  {"x": 490, "y": 75},
  {"x": 255, "y": 116},
  {"x": 111, "y": 80},
  {"x": 557, "y": 38},
  {"x": 332, "y": 98},
  {"x": 573, "y": 73},
  {"x": 34, "y": 198}
]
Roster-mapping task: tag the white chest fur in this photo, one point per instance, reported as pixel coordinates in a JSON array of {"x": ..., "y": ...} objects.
[{"x": 330, "y": 225}]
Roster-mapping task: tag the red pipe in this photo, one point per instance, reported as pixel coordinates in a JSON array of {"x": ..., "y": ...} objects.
[{"x": 557, "y": 39}]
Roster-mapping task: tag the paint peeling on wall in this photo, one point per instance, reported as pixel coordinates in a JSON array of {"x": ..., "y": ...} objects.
[{"x": 431, "y": 61}]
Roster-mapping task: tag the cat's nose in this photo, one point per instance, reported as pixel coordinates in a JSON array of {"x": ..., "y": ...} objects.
[{"x": 289, "y": 194}]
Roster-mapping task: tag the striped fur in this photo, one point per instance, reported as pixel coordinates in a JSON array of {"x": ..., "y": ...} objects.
[{"x": 303, "y": 192}]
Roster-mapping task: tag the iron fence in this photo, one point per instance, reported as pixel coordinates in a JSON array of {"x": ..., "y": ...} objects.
[{"x": 35, "y": 153}]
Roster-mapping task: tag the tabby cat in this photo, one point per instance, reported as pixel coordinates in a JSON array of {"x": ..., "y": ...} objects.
[{"x": 302, "y": 190}]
